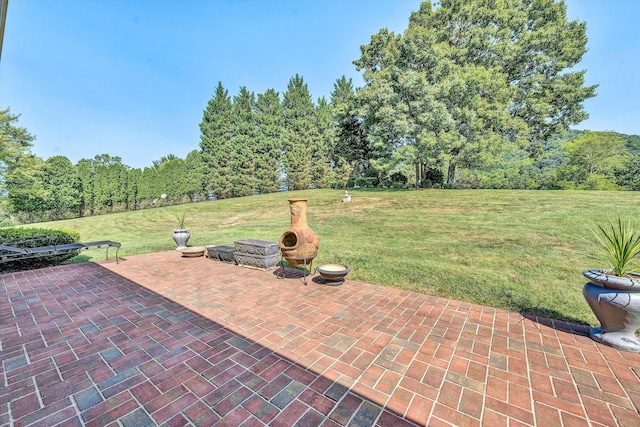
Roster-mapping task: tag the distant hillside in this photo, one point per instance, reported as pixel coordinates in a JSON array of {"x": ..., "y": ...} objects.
[{"x": 633, "y": 141}]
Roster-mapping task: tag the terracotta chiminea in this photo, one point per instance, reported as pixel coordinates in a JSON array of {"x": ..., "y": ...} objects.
[{"x": 299, "y": 244}]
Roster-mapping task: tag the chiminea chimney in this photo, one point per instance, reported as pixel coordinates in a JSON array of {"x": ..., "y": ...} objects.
[{"x": 299, "y": 244}]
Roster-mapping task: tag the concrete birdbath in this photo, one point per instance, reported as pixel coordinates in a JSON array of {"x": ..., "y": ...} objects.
[{"x": 333, "y": 274}]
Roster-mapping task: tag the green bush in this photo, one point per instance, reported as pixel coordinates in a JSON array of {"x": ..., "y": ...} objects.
[
  {"x": 371, "y": 182},
  {"x": 398, "y": 177},
  {"x": 435, "y": 176},
  {"x": 25, "y": 238},
  {"x": 596, "y": 181}
]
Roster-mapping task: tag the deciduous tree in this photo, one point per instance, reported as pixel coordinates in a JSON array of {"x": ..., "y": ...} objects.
[
  {"x": 468, "y": 76},
  {"x": 26, "y": 189},
  {"x": 15, "y": 142},
  {"x": 594, "y": 158}
]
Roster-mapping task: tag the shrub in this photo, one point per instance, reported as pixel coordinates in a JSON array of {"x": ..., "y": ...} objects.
[
  {"x": 597, "y": 181},
  {"x": 371, "y": 182},
  {"x": 25, "y": 238},
  {"x": 361, "y": 181},
  {"x": 435, "y": 176},
  {"x": 398, "y": 177},
  {"x": 620, "y": 244}
]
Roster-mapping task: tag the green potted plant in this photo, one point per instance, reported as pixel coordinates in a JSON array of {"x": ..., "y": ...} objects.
[
  {"x": 613, "y": 293},
  {"x": 181, "y": 234}
]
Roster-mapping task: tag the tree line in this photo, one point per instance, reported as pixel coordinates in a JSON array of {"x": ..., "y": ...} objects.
[{"x": 473, "y": 94}]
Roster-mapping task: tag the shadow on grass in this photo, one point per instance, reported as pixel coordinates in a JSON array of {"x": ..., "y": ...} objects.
[
  {"x": 547, "y": 313},
  {"x": 551, "y": 318}
]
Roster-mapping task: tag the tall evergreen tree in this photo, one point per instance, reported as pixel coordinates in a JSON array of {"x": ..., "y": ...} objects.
[
  {"x": 172, "y": 176},
  {"x": 323, "y": 146},
  {"x": 110, "y": 182},
  {"x": 216, "y": 133},
  {"x": 62, "y": 186},
  {"x": 244, "y": 135},
  {"x": 86, "y": 172},
  {"x": 268, "y": 149},
  {"x": 150, "y": 188},
  {"x": 300, "y": 131},
  {"x": 164, "y": 159},
  {"x": 352, "y": 151},
  {"x": 196, "y": 179},
  {"x": 134, "y": 178}
]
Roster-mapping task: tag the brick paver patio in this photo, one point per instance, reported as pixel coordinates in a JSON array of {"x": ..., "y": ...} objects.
[{"x": 163, "y": 340}]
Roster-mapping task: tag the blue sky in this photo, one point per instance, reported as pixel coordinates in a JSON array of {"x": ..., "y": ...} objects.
[{"x": 131, "y": 78}]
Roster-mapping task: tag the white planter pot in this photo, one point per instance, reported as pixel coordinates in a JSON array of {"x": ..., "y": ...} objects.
[
  {"x": 616, "y": 303},
  {"x": 181, "y": 237}
]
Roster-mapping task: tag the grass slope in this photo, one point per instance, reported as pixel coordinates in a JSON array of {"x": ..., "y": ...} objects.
[{"x": 519, "y": 250}]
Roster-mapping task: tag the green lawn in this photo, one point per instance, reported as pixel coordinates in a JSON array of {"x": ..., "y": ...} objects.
[{"x": 520, "y": 250}]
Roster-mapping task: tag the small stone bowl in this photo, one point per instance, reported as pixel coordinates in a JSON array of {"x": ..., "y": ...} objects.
[{"x": 333, "y": 274}]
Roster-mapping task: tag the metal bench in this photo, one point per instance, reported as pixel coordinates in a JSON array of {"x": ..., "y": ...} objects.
[{"x": 13, "y": 252}]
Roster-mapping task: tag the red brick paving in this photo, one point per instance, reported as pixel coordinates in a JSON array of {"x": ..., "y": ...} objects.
[{"x": 163, "y": 340}]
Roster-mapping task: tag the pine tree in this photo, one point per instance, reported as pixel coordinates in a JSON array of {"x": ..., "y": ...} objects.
[
  {"x": 268, "y": 149},
  {"x": 216, "y": 141},
  {"x": 149, "y": 188},
  {"x": 85, "y": 175},
  {"x": 134, "y": 177},
  {"x": 351, "y": 147},
  {"x": 323, "y": 147},
  {"x": 173, "y": 175},
  {"x": 300, "y": 130},
  {"x": 62, "y": 185},
  {"x": 103, "y": 181},
  {"x": 244, "y": 134},
  {"x": 196, "y": 175}
]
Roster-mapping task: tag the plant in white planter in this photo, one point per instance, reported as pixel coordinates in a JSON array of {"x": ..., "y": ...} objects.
[
  {"x": 181, "y": 234},
  {"x": 613, "y": 293}
]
